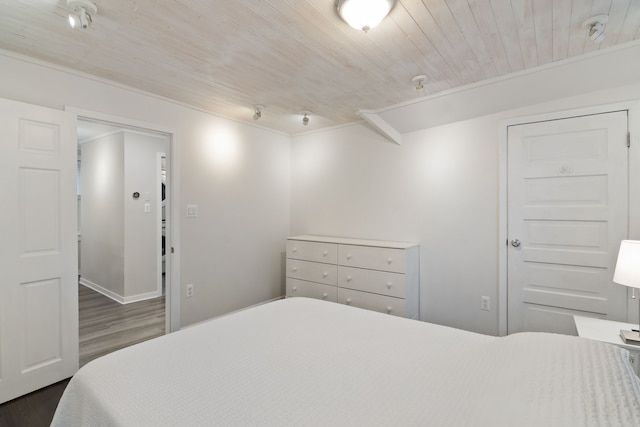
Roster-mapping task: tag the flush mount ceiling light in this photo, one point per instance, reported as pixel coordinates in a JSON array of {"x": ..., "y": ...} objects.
[
  {"x": 258, "y": 111},
  {"x": 595, "y": 27},
  {"x": 364, "y": 14},
  {"x": 80, "y": 12}
]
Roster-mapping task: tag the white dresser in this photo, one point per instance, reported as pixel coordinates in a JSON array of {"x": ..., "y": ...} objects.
[{"x": 376, "y": 275}]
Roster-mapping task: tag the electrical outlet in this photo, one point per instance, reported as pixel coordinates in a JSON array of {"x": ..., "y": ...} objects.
[
  {"x": 485, "y": 303},
  {"x": 189, "y": 290}
]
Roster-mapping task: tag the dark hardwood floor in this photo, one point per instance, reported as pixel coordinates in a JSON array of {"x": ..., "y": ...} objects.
[{"x": 105, "y": 326}]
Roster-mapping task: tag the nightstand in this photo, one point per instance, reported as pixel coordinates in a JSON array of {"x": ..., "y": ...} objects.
[{"x": 608, "y": 331}]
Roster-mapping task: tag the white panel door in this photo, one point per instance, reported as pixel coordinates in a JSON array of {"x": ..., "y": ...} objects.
[
  {"x": 38, "y": 255},
  {"x": 567, "y": 202}
]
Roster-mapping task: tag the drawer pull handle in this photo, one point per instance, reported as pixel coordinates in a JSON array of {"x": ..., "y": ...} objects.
[
  {"x": 295, "y": 288},
  {"x": 325, "y": 274},
  {"x": 348, "y": 256},
  {"x": 388, "y": 310},
  {"x": 324, "y": 296},
  {"x": 325, "y": 253},
  {"x": 389, "y": 260},
  {"x": 389, "y": 285},
  {"x": 294, "y": 250},
  {"x": 348, "y": 301},
  {"x": 294, "y": 269},
  {"x": 348, "y": 278}
]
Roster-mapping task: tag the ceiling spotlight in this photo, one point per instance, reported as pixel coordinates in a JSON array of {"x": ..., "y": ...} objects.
[
  {"x": 418, "y": 82},
  {"x": 595, "y": 27},
  {"x": 80, "y": 13},
  {"x": 305, "y": 118},
  {"x": 364, "y": 14},
  {"x": 258, "y": 112}
]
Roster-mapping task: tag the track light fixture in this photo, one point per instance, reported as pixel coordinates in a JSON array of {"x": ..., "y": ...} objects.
[
  {"x": 305, "y": 117},
  {"x": 258, "y": 112},
  {"x": 418, "y": 82},
  {"x": 80, "y": 12},
  {"x": 595, "y": 27}
]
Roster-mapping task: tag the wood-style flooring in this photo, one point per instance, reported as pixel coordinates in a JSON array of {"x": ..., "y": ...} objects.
[{"x": 105, "y": 326}]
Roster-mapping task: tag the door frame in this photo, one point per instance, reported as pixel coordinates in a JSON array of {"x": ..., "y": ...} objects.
[
  {"x": 172, "y": 291},
  {"x": 633, "y": 218}
]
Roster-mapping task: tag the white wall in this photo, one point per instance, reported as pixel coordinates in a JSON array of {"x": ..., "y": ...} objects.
[
  {"x": 440, "y": 188},
  {"x": 102, "y": 219},
  {"x": 142, "y": 254},
  {"x": 232, "y": 252},
  {"x": 119, "y": 239},
  {"x": 239, "y": 178}
]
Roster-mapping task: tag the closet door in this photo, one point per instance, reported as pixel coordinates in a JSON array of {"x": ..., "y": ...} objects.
[
  {"x": 567, "y": 214},
  {"x": 38, "y": 255}
]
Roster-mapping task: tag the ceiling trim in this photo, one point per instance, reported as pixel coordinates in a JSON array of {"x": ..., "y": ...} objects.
[
  {"x": 510, "y": 76},
  {"x": 81, "y": 74}
]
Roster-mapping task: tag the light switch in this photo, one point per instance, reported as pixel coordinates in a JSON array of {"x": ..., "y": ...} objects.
[
  {"x": 147, "y": 207},
  {"x": 192, "y": 210}
]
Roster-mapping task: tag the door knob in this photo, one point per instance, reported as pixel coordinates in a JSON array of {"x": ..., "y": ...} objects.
[{"x": 515, "y": 243}]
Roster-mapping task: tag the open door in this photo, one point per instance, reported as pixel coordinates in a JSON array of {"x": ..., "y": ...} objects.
[{"x": 38, "y": 255}]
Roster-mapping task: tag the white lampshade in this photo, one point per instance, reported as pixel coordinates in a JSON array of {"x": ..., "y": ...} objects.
[
  {"x": 628, "y": 266},
  {"x": 364, "y": 14}
]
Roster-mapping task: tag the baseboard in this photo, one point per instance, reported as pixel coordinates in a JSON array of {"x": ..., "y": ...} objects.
[
  {"x": 116, "y": 297},
  {"x": 142, "y": 297}
]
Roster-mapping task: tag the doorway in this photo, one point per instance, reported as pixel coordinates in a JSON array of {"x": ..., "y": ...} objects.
[{"x": 123, "y": 209}]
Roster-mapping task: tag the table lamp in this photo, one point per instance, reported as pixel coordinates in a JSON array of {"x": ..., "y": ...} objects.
[{"x": 628, "y": 273}]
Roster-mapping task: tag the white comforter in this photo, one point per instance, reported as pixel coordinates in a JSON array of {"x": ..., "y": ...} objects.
[{"x": 302, "y": 362}]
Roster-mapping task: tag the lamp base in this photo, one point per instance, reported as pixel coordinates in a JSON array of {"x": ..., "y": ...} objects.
[{"x": 630, "y": 337}]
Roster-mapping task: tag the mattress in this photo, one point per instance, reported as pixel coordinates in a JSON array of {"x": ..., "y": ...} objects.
[{"x": 304, "y": 362}]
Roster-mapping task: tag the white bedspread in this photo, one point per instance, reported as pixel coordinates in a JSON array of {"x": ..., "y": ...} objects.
[{"x": 302, "y": 362}]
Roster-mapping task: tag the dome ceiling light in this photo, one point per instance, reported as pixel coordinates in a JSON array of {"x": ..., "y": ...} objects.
[{"x": 364, "y": 14}]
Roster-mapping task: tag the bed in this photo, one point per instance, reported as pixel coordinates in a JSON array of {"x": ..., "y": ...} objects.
[{"x": 304, "y": 362}]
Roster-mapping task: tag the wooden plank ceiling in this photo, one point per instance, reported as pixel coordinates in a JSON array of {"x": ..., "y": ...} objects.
[{"x": 224, "y": 56}]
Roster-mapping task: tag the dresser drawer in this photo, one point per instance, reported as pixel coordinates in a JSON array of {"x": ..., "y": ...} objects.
[
  {"x": 312, "y": 251},
  {"x": 312, "y": 271},
  {"x": 381, "y": 303},
  {"x": 378, "y": 282},
  {"x": 374, "y": 258},
  {"x": 300, "y": 288}
]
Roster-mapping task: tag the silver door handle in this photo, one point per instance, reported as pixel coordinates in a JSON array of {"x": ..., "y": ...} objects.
[{"x": 515, "y": 243}]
